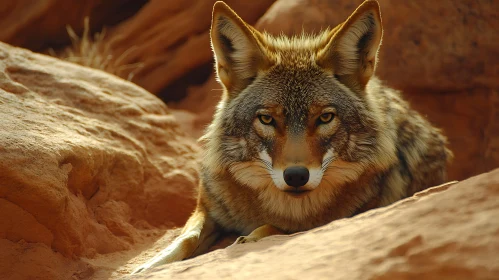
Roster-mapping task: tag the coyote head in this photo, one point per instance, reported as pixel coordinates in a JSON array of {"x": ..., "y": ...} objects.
[{"x": 295, "y": 116}]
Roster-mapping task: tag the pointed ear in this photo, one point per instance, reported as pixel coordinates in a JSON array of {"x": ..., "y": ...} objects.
[
  {"x": 352, "y": 50},
  {"x": 237, "y": 48}
]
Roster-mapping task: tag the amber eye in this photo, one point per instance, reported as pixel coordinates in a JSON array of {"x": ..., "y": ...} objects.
[
  {"x": 326, "y": 118},
  {"x": 266, "y": 120}
]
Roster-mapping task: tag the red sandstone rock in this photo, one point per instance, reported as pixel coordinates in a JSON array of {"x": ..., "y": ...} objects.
[
  {"x": 89, "y": 164},
  {"x": 437, "y": 46},
  {"x": 170, "y": 38},
  {"x": 470, "y": 119},
  {"x": 42, "y": 23}
]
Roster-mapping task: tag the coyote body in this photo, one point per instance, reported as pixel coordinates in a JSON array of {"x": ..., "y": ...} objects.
[{"x": 304, "y": 134}]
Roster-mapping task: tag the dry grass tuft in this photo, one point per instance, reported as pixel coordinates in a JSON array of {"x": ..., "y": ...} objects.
[{"x": 95, "y": 53}]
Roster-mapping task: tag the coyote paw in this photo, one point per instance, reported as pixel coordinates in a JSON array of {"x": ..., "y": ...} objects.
[
  {"x": 246, "y": 239},
  {"x": 154, "y": 262}
]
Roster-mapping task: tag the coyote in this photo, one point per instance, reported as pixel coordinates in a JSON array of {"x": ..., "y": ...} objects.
[{"x": 304, "y": 134}]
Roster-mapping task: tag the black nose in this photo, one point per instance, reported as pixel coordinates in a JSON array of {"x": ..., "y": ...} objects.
[{"x": 296, "y": 176}]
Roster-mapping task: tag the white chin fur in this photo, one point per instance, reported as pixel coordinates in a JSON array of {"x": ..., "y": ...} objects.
[
  {"x": 314, "y": 179},
  {"x": 276, "y": 174},
  {"x": 278, "y": 178},
  {"x": 289, "y": 207}
]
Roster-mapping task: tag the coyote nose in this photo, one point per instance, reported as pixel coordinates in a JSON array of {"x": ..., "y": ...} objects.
[{"x": 296, "y": 176}]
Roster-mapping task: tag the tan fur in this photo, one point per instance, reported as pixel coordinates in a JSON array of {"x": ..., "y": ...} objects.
[
  {"x": 371, "y": 151},
  {"x": 259, "y": 233}
]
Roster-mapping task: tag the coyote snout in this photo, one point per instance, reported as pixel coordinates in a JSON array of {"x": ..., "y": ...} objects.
[
  {"x": 296, "y": 176},
  {"x": 290, "y": 140}
]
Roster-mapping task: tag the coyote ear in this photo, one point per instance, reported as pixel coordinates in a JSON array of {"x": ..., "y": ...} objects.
[
  {"x": 352, "y": 50},
  {"x": 237, "y": 48}
]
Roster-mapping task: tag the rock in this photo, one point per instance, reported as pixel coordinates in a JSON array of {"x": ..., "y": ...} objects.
[
  {"x": 445, "y": 46},
  {"x": 445, "y": 232},
  {"x": 169, "y": 39},
  {"x": 161, "y": 43},
  {"x": 89, "y": 164},
  {"x": 470, "y": 119},
  {"x": 27, "y": 260},
  {"x": 201, "y": 102},
  {"x": 41, "y": 24}
]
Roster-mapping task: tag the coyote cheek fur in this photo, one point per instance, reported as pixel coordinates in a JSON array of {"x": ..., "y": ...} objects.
[{"x": 304, "y": 134}]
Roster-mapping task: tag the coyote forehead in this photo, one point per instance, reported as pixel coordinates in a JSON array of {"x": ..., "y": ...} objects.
[{"x": 299, "y": 51}]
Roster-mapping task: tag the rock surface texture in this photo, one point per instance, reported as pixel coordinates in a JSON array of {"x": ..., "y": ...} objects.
[
  {"x": 445, "y": 232},
  {"x": 89, "y": 164}
]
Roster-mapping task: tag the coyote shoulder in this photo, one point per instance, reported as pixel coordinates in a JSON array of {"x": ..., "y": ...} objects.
[{"x": 304, "y": 134}]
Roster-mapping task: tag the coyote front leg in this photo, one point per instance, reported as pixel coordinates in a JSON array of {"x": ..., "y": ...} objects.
[
  {"x": 197, "y": 236},
  {"x": 258, "y": 233}
]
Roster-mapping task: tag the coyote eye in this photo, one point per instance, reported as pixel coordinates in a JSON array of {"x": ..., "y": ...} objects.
[
  {"x": 266, "y": 120},
  {"x": 326, "y": 118}
]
